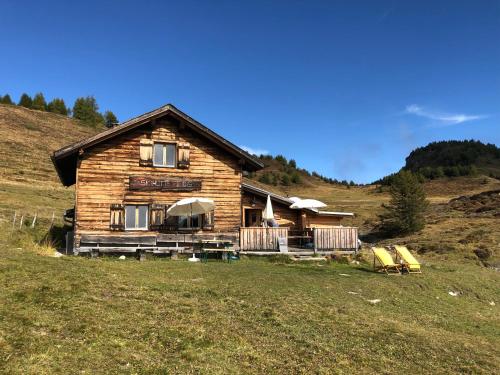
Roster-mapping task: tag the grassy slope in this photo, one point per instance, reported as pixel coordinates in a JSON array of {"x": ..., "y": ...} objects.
[
  {"x": 28, "y": 181},
  {"x": 71, "y": 314}
]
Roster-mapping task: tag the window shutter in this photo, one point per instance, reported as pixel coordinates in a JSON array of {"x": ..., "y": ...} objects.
[
  {"x": 208, "y": 221},
  {"x": 157, "y": 218},
  {"x": 146, "y": 152},
  {"x": 117, "y": 217},
  {"x": 183, "y": 155}
]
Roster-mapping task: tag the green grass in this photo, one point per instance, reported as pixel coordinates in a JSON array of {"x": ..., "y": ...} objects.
[{"x": 73, "y": 314}]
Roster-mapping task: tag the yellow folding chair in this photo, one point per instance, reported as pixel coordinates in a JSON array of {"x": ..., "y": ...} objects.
[
  {"x": 386, "y": 261},
  {"x": 409, "y": 262}
]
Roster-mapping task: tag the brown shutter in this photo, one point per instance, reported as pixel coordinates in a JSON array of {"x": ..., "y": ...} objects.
[
  {"x": 183, "y": 155},
  {"x": 208, "y": 221},
  {"x": 157, "y": 216},
  {"x": 146, "y": 152},
  {"x": 117, "y": 217}
]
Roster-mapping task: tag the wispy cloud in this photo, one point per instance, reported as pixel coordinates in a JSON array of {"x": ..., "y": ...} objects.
[
  {"x": 254, "y": 151},
  {"x": 442, "y": 117}
]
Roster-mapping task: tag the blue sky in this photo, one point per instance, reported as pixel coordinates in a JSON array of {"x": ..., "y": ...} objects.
[{"x": 346, "y": 88}]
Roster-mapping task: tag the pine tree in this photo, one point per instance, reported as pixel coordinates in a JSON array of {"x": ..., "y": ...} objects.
[
  {"x": 405, "y": 212},
  {"x": 86, "y": 110},
  {"x": 39, "y": 102},
  {"x": 110, "y": 119},
  {"x": 6, "y": 99},
  {"x": 25, "y": 101},
  {"x": 57, "y": 105}
]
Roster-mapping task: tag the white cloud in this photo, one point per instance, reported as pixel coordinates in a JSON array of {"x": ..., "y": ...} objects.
[
  {"x": 444, "y": 118},
  {"x": 254, "y": 151}
]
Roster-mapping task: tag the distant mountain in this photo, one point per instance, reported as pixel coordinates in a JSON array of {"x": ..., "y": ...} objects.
[
  {"x": 453, "y": 159},
  {"x": 446, "y": 154}
]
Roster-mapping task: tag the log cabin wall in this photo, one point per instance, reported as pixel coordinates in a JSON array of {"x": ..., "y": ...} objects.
[
  {"x": 284, "y": 215},
  {"x": 103, "y": 178}
]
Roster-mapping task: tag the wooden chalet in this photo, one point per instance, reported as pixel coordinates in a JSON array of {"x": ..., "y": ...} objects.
[{"x": 126, "y": 178}]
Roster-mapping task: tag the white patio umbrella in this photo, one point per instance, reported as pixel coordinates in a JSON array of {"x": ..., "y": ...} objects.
[
  {"x": 267, "y": 213},
  {"x": 190, "y": 207},
  {"x": 294, "y": 199},
  {"x": 308, "y": 203}
]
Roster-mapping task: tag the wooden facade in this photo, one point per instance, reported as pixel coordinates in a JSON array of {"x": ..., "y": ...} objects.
[
  {"x": 133, "y": 172},
  {"x": 120, "y": 171}
]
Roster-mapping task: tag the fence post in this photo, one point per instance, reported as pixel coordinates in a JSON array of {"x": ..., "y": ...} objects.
[
  {"x": 34, "y": 220},
  {"x": 314, "y": 240},
  {"x": 14, "y": 221}
]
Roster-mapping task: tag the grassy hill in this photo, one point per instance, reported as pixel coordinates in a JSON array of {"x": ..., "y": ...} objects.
[
  {"x": 28, "y": 180},
  {"x": 453, "y": 158},
  {"x": 75, "y": 315}
]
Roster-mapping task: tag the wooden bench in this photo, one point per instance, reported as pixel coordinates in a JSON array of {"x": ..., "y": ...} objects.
[{"x": 95, "y": 244}]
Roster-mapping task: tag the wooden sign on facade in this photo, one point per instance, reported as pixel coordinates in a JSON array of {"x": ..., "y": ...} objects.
[{"x": 163, "y": 184}]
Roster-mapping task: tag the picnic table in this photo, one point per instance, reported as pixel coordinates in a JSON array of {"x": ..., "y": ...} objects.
[{"x": 216, "y": 246}]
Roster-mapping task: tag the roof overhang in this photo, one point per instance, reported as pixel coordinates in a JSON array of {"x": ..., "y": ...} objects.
[
  {"x": 65, "y": 159},
  {"x": 333, "y": 213},
  {"x": 264, "y": 193}
]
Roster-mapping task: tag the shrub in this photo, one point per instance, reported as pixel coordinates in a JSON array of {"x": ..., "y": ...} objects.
[
  {"x": 482, "y": 253},
  {"x": 285, "y": 180}
]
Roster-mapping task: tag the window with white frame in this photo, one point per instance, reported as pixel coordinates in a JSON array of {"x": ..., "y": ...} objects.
[
  {"x": 164, "y": 155},
  {"x": 136, "y": 217}
]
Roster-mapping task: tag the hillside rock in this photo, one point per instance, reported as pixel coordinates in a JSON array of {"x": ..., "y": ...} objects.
[{"x": 482, "y": 204}]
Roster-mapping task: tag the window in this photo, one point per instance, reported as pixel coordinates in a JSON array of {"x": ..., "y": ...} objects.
[
  {"x": 136, "y": 217},
  {"x": 164, "y": 155},
  {"x": 188, "y": 222}
]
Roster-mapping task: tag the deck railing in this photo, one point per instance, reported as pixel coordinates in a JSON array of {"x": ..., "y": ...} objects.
[
  {"x": 335, "y": 238},
  {"x": 257, "y": 238}
]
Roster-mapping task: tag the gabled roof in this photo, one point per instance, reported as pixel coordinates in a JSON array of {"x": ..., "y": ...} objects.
[{"x": 65, "y": 159}]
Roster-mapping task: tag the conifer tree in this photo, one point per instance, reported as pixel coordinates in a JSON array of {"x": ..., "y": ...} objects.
[
  {"x": 39, "y": 102},
  {"x": 86, "y": 110},
  {"x": 405, "y": 212},
  {"x": 57, "y": 105},
  {"x": 110, "y": 119},
  {"x": 6, "y": 99},
  {"x": 25, "y": 101}
]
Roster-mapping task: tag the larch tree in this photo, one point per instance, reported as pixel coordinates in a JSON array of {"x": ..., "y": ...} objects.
[
  {"x": 25, "y": 101},
  {"x": 110, "y": 119},
  {"x": 57, "y": 105},
  {"x": 39, "y": 102},
  {"x": 86, "y": 110}
]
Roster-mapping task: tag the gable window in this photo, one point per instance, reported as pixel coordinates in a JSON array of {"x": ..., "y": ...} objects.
[
  {"x": 136, "y": 217},
  {"x": 164, "y": 155}
]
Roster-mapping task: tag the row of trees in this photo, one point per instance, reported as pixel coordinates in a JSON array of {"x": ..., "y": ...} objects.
[
  {"x": 276, "y": 178},
  {"x": 84, "y": 109},
  {"x": 432, "y": 173},
  {"x": 288, "y": 173}
]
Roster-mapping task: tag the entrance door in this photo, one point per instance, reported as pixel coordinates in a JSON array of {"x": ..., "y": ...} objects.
[{"x": 253, "y": 217}]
